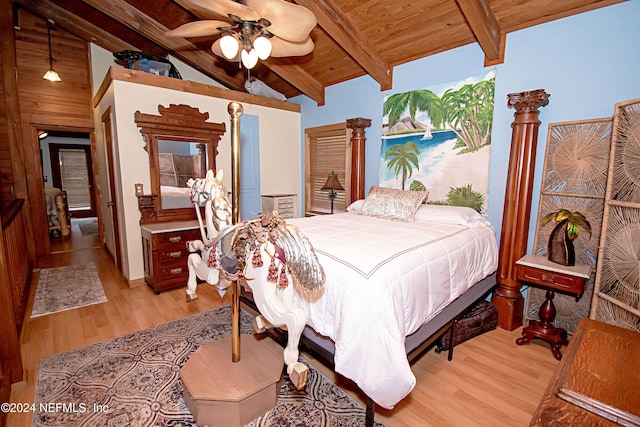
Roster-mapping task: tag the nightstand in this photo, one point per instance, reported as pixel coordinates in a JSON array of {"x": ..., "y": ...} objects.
[
  {"x": 539, "y": 271},
  {"x": 283, "y": 203}
]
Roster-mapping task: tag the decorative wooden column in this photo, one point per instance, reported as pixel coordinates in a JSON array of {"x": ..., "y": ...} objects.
[
  {"x": 358, "y": 138},
  {"x": 517, "y": 204}
]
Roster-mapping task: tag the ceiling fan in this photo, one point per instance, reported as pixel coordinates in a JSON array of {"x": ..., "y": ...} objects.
[{"x": 255, "y": 29}]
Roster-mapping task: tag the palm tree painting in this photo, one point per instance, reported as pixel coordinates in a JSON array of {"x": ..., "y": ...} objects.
[
  {"x": 439, "y": 138},
  {"x": 402, "y": 158}
]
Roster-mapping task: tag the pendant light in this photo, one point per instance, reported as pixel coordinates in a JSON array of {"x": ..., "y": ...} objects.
[{"x": 51, "y": 75}]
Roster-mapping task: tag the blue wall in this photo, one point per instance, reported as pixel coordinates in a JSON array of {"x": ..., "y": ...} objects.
[{"x": 587, "y": 63}]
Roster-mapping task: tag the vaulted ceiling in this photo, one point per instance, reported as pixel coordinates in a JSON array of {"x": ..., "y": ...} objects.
[{"x": 352, "y": 38}]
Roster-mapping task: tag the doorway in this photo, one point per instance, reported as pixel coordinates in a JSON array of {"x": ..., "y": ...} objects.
[{"x": 67, "y": 171}]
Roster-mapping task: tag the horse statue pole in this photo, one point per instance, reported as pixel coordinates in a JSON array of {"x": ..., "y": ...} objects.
[{"x": 235, "y": 111}]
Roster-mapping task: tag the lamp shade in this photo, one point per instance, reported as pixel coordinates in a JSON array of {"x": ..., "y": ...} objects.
[
  {"x": 249, "y": 59},
  {"x": 52, "y": 76},
  {"x": 262, "y": 45},
  {"x": 332, "y": 183},
  {"x": 229, "y": 46}
]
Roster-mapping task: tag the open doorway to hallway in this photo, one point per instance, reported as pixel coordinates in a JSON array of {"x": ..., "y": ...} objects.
[{"x": 67, "y": 171}]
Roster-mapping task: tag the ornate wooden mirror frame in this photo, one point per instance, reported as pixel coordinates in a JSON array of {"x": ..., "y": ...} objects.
[{"x": 176, "y": 124}]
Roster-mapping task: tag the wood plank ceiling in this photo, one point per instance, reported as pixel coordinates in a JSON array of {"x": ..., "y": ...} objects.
[{"x": 352, "y": 38}]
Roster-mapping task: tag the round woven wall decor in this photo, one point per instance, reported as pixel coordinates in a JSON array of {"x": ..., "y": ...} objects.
[
  {"x": 626, "y": 173},
  {"x": 621, "y": 268},
  {"x": 575, "y": 178},
  {"x": 577, "y": 158}
]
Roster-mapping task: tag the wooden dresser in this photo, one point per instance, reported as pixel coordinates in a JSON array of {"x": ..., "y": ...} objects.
[
  {"x": 597, "y": 383},
  {"x": 165, "y": 253}
]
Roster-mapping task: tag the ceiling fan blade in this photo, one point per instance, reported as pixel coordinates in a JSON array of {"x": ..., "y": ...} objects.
[
  {"x": 289, "y": 21},
  {"x": 220, "y": 9},
  {"x": 197, "y": 29},
  {"x": 281, "y": 48}
]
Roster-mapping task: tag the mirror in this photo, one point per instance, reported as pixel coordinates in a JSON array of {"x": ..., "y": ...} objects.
[
  {"x": 181, "y": 145},
  {"x": 177, "y": 162}
]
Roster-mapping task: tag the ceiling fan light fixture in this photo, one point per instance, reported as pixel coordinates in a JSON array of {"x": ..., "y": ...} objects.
[
  {"x": 262, "y": 46},
  {"x": 229, "y": 46},
  {"x": 249, "y": 59}
]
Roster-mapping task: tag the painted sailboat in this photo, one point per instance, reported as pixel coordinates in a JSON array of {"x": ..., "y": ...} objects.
[{"x": 427, "y": 134}]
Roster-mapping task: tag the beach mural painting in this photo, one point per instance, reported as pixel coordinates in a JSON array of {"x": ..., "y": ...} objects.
[{"x": 439, "y": 139}]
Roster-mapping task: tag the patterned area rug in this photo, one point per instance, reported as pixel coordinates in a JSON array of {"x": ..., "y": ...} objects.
[
  {"x": 134, "y": 381},
  {"x": 64, "y": 288}
]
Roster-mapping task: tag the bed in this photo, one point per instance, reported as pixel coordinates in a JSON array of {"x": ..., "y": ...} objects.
[{"x": 392, "y": 287}]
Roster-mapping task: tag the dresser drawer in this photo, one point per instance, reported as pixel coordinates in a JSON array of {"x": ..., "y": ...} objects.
[
  {"x": 562, "y": 282},
  {"x": 286, "y": 203},
  {"x": 177, "y": 239},
  {"x": 172, "y": 272},
  {"x": 171, "y": 254}
]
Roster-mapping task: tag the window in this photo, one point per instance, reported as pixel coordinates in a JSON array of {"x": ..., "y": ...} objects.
[{"x": 327, "y": 149}]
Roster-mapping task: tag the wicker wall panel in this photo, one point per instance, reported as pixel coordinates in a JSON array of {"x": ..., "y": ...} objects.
[
  {"x": 617, "y": 286},
  {"x": 575, "y": 178}
]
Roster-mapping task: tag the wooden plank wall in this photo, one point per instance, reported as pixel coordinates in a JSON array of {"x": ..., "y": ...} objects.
[
  {"x": 7, "y": 60},
  {"x": 65, "y": 105}
]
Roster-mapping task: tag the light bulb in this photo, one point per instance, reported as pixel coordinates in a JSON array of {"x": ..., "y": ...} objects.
[
  {"x": 52, "y": 76},
  {"x": 229, "y": 46},
  {"x": 249, "y": 59},
  {"x": 263, "y": 47}
]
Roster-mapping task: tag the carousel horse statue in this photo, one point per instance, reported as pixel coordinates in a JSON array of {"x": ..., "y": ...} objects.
[{"x": 265, "y": 254}]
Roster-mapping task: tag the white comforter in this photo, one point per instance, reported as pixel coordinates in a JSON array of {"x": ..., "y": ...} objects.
[{"x": 384, "y": 280}]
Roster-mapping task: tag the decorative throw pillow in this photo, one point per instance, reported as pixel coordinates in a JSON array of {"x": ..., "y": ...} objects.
[{"x": 391, "y": 203}]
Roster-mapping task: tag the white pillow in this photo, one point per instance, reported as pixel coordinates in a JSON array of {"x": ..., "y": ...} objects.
[
  {"x": 355, "y": 206},
  {"x": 446, "y": 214}
]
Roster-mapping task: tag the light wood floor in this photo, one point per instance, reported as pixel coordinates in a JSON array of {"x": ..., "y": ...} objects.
[{"x": 490, "y": 382}]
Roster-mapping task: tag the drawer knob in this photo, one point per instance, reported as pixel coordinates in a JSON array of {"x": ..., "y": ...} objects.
[
  {"x": 175, "y": 239},
  {"x": 176, "y": 270},
  {"x": 547, "y": 278},
  {"x": 175, "y": 254}
]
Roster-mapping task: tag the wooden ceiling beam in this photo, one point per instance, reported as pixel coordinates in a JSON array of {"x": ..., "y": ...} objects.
[
  {"x": 184, "y": 50},
  {"x": 339, "y": 27},
  {"x": 70, "y": 22},
  {"x": 486, "y": 29},
  {"x": 298, "y": 77}
]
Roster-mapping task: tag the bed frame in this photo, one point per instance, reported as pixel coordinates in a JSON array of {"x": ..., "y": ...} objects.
[
  {"x": 416, "y": 344},
  {"x": 513, "y": 241}
]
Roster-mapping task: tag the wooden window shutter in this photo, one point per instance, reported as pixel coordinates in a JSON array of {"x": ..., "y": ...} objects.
[
  {"x": 74, "y": 173},
  {"x": 327, "y": 149}
]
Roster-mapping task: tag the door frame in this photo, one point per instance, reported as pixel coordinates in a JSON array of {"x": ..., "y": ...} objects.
[
  {"x": 35, "y": 182},
  {"x": 111, "y": 192}
]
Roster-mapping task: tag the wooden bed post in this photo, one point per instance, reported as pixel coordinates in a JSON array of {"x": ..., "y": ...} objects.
[
  {"x": 358, "y": 138},
  {"x": 517, "y": 204}
]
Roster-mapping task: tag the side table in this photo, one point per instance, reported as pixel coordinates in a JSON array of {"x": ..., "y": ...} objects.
[{"x": 539, "y": 271}]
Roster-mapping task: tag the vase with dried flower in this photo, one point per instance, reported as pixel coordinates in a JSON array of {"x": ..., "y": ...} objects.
[{"x": 561, "y": 249}]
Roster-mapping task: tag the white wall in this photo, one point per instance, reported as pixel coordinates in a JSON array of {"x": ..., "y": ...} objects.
[
  {"x": 102, "y": 59},
  {"x": 279, "y": 133}
]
